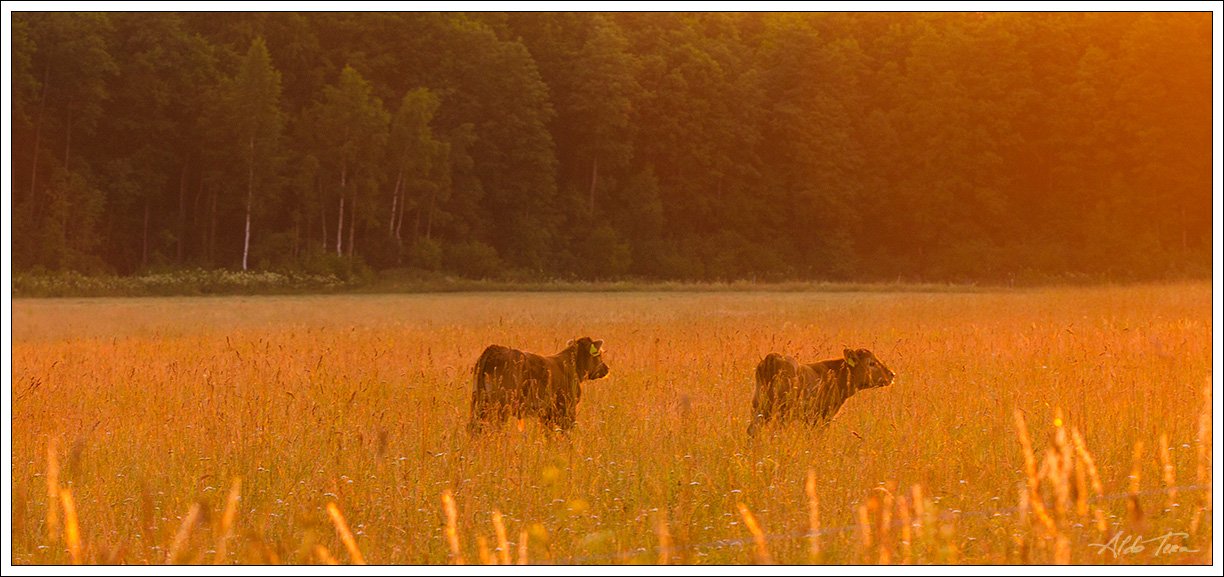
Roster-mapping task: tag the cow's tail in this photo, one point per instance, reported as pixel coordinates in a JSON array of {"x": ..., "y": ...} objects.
[
  {"x": 478, "y": 385},
  {"x": 763, "y": 397},
  {"x": 767, "y": 369}
]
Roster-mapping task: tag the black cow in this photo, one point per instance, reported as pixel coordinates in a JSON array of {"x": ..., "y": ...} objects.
[
  {"x": 510, "y": 382},
  {"x": 786, "y": 389}
]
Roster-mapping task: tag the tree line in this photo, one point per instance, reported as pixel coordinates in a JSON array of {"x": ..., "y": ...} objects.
[{"x": 610, "y": 145}]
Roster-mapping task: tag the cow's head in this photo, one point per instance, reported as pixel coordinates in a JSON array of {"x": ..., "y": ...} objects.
[
  {"x": 866, "y": 371},
  {"x": 588, "y": 359}
]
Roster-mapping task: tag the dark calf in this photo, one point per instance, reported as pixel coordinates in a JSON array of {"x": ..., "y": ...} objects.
[
  {"x": 814, "y": 393},
  {"x": 509, "y": 382}
]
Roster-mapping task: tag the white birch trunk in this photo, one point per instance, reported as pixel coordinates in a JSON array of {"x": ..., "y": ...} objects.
[
  {"x": 393, "y": 229},
  {"x": 246, "y": 240},
  {"x": 594, "y": 180},
  {"x": 340, "y": 218},
  {"x": 352, "y": 224},
  {"x": 399, "y": 223}
]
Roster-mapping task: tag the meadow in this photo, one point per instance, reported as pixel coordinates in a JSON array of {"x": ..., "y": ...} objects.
[{"x": 1025, "y": 426}]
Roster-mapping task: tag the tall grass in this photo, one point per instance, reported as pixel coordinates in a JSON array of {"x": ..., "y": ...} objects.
[{"x": 145, "y": 412}]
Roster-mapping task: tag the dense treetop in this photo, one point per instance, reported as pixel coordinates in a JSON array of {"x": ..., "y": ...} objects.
[{"x": 588, "y": 145}]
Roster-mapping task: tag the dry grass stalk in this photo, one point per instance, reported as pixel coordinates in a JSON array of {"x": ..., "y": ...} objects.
[
  {"x": 53, "y": 491},
  {"x": 863, "y": 517},
  {"x": 522, "y": 547},
  {"x": 1057, "y": 468},
  {"x": 903, "y": 517},
  {"x": 72, "y": 529},
  {"x": 1022, "y": 490},
  {"x": 1062, "y": 550},
  {"x": 184, "y": 533},
  {"x": 1026, "y": 446},
  {"x": 919, "y": 509},
  {"x": 1134, "y": 511},
  {"x": 1085, "y": 458},
  {"x": 1064, "y": 461},
  {"x": 1168, "y": 472},
  {"x": 346, "y": 535},
  {"x": 271, "y": 557},
  {"x": 1041, "y": 513},
  {"x": 227, "y": 519},
  {"x": 762, "y": 556},
  {"x": 482, "y": 549},
  {"x": 324, "y": 555},
  {"x": 947, "y": 534},
  {"x": 1060, "y": 436},
  {"x": 813, "y": 517},
  {"x": 452, "y": 527},
  {"x": 1043, "y": 472},
  {"x": 1204, "y": 449},
  {"x": 885, "y": 544},
  {"x": 665, "y": 540},
  {"x": 1098, "y": 514},
  {"x": 1081, "y": 487},
  {"x": 1024, "y": 543},
  {"x": 503, "y": 545},
  {"x": 1030, "y": 474},
  {"x": 1056, "y": 473},
  {"x": 1062, "y": 457},
  {"x": 1081, "y": 450},
  {"x": 1195, "y": 520},
  {"x": 1027, "y": 540}
]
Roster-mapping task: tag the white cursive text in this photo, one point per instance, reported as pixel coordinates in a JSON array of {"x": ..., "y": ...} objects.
[{"x": 1123, "y": 544}]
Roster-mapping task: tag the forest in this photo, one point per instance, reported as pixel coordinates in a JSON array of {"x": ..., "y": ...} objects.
[{"x": 686, "y": 146}]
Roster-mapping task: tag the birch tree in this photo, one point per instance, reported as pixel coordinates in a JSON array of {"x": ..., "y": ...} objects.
[
  {"x": 350, "y": 126},
  {"x": 254, "y": 103},
  {"x": 419, "y": 161}
]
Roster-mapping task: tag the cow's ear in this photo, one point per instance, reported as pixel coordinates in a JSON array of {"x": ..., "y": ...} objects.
[
  {"x": 851, "y": 357},
  {"x": 569, "y": 344}
]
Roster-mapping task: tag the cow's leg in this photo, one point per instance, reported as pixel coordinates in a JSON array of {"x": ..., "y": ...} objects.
[
  {"x": 565, "y": 412},
  {"x": 480, "y": 414},
  {"x": 503, "y": 411},
  {"x": 762, "y": 408},
  {"x": 478, "y": 411},
  {"x": 564, "y": 421},
  {"x": 486, "y": 407},
  {"x": 548, "y": 420},
  {"x": 556, "y": 420}
]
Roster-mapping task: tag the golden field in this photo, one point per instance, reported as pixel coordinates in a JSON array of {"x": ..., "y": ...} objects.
[{"x": 312, "y": 429}]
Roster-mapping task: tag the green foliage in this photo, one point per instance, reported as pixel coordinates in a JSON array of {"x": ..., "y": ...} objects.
[
  {"x": 421, "y": 166},
  {"x": 253, "y": 109},
  {"x": 329, "y": 264},
  {"x": 472, "y": 259},
  {"x": 179, "y": 282},
  {"x": 600, "y": 254},
  {"x": 691, "y": 146},
  {"x": 425, "y": 254}
]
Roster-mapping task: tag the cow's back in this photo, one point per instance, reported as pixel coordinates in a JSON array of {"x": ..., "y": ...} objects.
[
  {"x": 776, "y": 371},
  {"x": 776, "y": 382},
  {"x": 509, "y": 382},
  {"x": 496, "y": 361},
  {"x": 821, "y": 395},
  {"x": 813, "y": 375},
  {"x": 511, "y": 377}
]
